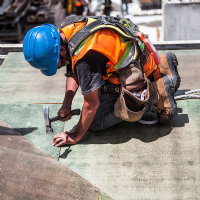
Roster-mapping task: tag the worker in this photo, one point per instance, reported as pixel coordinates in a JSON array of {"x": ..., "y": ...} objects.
[
  {"x": 126, "y": 5},
  {"x": 87, "y": 8},
  {"x": 101, "y": 65},
  {"x": 107, "y": 7},
  {"x": 79, "y": 4},
  {"x": 67, "y": 5}
]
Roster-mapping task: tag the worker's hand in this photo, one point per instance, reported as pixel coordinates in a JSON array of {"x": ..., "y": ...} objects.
[
  {"x": 64, "y": 110},
  {"x": 63, "y": 138}
]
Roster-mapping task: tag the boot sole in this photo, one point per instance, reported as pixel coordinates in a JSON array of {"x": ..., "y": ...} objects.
[
  {"x": 173, "y": 63},
  {"x": 168, "y": 88}
]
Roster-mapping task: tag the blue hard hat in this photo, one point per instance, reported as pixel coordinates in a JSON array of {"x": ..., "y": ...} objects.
[{"x": 41, "y": 48}]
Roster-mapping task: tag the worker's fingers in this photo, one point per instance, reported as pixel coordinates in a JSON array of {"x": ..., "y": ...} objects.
[
  {"x": 66, "y": 118},
  {"x": 53, "y": 141},
  {"x": 62, "y": 139},
  {"x": 57, "y": 141},
  {"x": 54, "y": 138},
  {"x": 64, "y": 110},
  {"x": 68, "y": 141},
  {"x": 64, "y": 113},
  {"x": 60, "y": 144},
  {"x": 59, "y": 135}
]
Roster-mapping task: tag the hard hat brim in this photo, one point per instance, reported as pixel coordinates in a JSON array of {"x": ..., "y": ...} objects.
[{"x": 50, "y": 71}]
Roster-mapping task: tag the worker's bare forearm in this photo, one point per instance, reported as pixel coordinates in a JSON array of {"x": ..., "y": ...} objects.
[
  {"x": 90, "y": 106},
  {"x": 86, "y": 119},
  {"x": 72, "y": 85}
]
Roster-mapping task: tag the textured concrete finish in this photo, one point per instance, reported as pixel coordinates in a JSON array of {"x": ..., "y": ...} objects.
[
  {"x": 27, "y": 172},
  {"x": 28, "y": 85},
  {"x": 12, "y": 139},
  {"x": 28, "y": 176},
  {"x": 181, "y": 21},
  {"x": 134, "y": 161},
  {"x": 129, "y": 161},
  {"x": 21, "y": 83},
  {"x": 28, "y": 120}
]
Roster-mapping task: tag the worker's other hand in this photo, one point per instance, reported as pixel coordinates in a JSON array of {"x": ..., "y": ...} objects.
[
  {"x": 63, "y": 138},
  {"x": 64, "y": 110}
]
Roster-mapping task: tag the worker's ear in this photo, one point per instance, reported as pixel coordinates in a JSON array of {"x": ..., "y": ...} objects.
[{"x": 63, "y": 51}]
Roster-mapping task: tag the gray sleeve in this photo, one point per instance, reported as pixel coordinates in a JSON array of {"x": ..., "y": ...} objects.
[
  {"x": 89, "y": 71},
  {"x": 89, "y": 80}
]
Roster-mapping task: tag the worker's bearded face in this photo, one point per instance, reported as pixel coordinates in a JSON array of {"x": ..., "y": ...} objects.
[{"x": 64, "y": 58}]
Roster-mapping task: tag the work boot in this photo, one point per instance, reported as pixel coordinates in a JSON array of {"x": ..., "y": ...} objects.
[
  {"x": 168, "y": 66},
  {"x": 163, "y": 96}
]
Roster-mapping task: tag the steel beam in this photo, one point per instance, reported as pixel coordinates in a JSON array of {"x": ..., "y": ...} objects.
[
  {"x": 166, "y": 45},
  {"x": 177, "y": 45}
]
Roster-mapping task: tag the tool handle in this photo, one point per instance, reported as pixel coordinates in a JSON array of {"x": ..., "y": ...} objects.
[{"x": 73, "y": 112}]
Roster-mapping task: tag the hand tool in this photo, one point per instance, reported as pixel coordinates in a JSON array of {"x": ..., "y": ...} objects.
[{"x": 48, "y": 120}]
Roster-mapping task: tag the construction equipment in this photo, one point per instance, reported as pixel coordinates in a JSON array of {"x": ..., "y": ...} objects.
[
  {"x": 12, "y": 20},
  {"x": 18, "y": 16},
  {"x": 48, "y": 120}
]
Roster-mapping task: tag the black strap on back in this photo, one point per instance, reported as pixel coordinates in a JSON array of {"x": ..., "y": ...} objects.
[
  {"x": 82, "y": 34},
  {"x": 72, "y": 19}
]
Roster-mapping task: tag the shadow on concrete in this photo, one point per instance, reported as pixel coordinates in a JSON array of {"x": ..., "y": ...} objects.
[
  {"x": 25, "y": 131},
  {"x": 125, "y": 131},
  {"x": 21, "y": 131},
  {"x": 66, "y": 153}
]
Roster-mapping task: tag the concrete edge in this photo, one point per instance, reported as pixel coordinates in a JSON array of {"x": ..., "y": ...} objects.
[{"x": 102, "y": 195}]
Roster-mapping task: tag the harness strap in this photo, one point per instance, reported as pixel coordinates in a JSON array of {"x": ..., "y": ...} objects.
[
  {"x": 94, "y": 26},
  {"x": 81, "y": 35},
  {"x": 144, "y": 56},
  {"x": 95, "y": 23},
  {"x": 71, "y": 19}
]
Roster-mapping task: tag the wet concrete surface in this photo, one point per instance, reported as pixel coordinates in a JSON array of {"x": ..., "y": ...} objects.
[{"x": 127, "y": 161}]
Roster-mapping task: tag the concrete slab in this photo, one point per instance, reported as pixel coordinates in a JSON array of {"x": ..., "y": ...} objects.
[
  {"x": 128, "y": 161},
  {"x": 123, "y": 158},
  {"x": 28, "y": 120},
  {"x": 12, "y": 139},
  {"x": 135, "y": 161},
  {"x": 21, "y": 83},
  {"x": 28, "y": 176},
  {"x": 27, "y": 172}
]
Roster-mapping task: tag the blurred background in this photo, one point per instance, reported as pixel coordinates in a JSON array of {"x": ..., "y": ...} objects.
[{"x": 161, "y": 20}]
